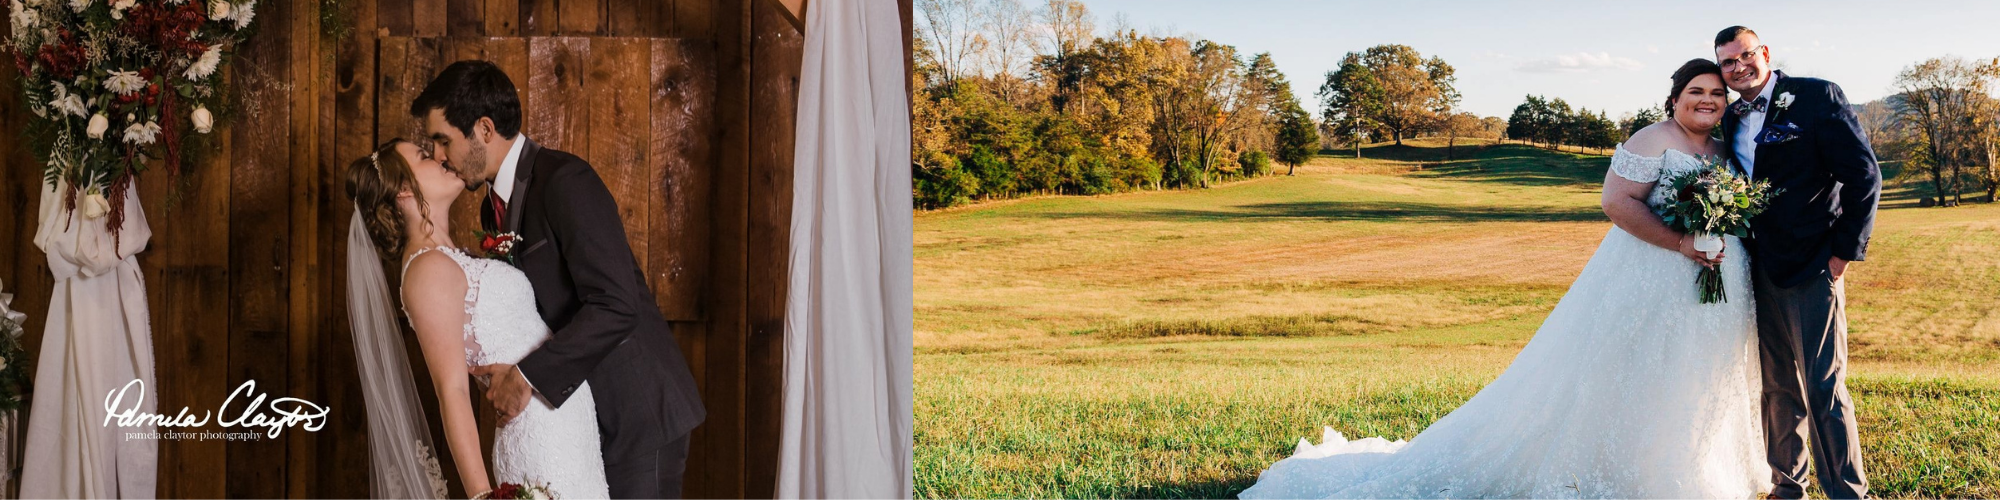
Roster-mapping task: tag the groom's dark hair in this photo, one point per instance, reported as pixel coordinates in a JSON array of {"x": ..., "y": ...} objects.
[
  {"x": 470, "y": 89},
  {"x": 1729, "y": 34}
]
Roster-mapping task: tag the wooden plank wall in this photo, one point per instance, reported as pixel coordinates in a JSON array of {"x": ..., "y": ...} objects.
[{"x": 686, "y": 107}]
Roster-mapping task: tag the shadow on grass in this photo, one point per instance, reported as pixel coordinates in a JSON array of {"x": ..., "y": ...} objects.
[
  {"x": 1348, "y": 211},
  {"x": 1192, "y": 489},
  {"x": 1524, "y": 166},
  {"x": 1251, "y": 326}
]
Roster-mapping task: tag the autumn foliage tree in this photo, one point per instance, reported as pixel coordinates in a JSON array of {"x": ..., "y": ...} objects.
[{"x": 1085, "y": 114}]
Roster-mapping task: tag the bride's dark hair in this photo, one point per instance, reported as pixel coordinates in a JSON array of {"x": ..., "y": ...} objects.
[
  {"x": 1694, "y": 67},
  {"x": 373, "y": 182}
]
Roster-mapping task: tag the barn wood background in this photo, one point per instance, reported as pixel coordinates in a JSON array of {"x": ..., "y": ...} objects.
[{"x": 686, "y": 108}]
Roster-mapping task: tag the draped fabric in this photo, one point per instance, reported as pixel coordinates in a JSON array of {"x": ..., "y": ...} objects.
[
  {"x": 847, "y": 399},
  {"x": 98, "y": 341}
]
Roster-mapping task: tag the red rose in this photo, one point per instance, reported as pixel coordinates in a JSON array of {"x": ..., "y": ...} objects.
[
  {"x": 506, "y": 490},
  {"x": 489, "y": 243}
]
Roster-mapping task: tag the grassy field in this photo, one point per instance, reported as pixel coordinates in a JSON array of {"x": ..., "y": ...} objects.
[{"x": 1173, "y": 344}]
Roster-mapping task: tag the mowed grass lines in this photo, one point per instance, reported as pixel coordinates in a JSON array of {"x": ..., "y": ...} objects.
[{"x": 1173, "y": 344}]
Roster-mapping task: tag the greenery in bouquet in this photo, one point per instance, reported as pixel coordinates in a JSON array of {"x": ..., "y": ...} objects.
[
  {"x": 117, "y": 84},
  {"x": 1710, "y": 202}
]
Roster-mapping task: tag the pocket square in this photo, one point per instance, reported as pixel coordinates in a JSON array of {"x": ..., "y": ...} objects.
[{"x": 1778, "y": 132}]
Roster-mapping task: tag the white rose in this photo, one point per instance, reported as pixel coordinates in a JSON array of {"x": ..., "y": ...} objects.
[
  {"x": 118, "y": 7},
  {"x": 94, "y": 205},
  {"x": 98, "y": 123},
  {"x": 79, "y": 5},
  {"x": 218, "y": 10},
  {"x": 1785, "y": 100},
  {"x": 203, "y": 120}
]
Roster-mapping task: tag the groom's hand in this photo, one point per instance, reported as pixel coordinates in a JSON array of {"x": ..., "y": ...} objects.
[
  {"x": 1837, "y": 266},
  {"x": 509, "y": 391}
]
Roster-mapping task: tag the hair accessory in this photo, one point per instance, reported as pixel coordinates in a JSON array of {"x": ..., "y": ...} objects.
[{"x": 373, "y": 159}]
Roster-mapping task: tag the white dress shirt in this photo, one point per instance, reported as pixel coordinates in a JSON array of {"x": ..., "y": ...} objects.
[
  {"x": 1750, "y": 125},
  {"x": 503, "y": 186},
  {"x": 503, "y": 183}
]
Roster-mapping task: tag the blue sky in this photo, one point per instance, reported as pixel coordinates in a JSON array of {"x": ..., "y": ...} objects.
[{"x": 1613, "y": 56}]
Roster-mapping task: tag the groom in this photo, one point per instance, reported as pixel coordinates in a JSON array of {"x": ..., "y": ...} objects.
[
  {"x": 588, "y": 287},
  {"x": 1801, "y": 135}
]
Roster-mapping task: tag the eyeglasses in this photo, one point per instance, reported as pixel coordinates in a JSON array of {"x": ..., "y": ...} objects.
[{"x": 1744, "y": 59}]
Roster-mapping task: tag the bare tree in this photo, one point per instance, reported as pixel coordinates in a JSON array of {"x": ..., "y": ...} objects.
[
  {"x": 1069, "y": 26},
  {"x": 951, "y": 28},
  {"x": 1010, "y": 31}
]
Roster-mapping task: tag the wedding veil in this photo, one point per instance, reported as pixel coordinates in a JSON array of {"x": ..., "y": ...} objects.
[{"x": 399, "y": 439}]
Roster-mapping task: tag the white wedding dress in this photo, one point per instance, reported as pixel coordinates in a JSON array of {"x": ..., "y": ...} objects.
[
  {"x": 556, "y": 447},
  {"x": 1630, "y": 389}
]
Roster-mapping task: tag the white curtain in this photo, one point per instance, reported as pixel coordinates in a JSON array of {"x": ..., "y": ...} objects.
[
  {"x": 847, "y": 314},
  {"x": 98, "y": 340}
]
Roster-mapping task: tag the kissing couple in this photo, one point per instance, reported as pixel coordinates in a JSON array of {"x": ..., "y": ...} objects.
[{"x": 555, "y": 319}]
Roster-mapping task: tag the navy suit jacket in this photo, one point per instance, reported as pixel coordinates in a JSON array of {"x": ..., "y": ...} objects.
[{"x": 1827, "y": 179}]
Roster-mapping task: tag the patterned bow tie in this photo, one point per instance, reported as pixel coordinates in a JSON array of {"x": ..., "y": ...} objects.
[{"x": 1742, "y": 107}]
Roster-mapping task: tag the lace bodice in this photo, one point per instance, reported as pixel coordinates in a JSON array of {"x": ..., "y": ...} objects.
[
  {"x": 503, "y": 325},
  {"x": 1650, "y": 169},
  {"x": 557, "y": 447}
]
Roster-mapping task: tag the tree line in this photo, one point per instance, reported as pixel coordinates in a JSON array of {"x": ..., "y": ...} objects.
[
  {"x": 1552, "y": 123},
  {"x": 1012, "y": 101}
]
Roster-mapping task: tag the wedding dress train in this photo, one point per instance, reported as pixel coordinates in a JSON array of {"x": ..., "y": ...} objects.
[{"x": 1630, "y": 389}]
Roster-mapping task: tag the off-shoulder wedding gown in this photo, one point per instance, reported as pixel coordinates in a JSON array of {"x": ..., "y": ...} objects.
[
  {"x": 557, "y": 447},
  {"x": 1630, "y": 389}
]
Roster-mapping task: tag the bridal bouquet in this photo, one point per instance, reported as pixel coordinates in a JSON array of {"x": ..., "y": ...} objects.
[
  {"x": 1710, "y": 202},
  {"x": 515, "y": 491}
]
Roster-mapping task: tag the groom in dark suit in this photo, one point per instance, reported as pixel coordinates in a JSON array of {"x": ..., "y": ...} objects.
[
  {"x": 588, "y": 287},
  {"x": 1801, "y": 135}
]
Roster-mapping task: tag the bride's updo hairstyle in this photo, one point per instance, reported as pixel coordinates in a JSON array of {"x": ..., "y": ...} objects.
[
  {"x": 373, "y": 182},
  {"x": 1694, "y": 67}
]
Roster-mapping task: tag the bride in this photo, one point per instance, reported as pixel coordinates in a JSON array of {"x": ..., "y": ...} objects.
[
  {"x": 466, "y": 311},
  {"x": 1630, "y": 389}
]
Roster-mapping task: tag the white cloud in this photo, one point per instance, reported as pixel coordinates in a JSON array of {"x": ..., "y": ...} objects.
[
  {"x": 1652, "y": 49},
  {"x": 1580, "y": 62}
]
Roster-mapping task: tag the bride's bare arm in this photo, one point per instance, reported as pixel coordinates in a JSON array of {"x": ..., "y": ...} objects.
[
  {"x": 434, "y": 293},
  {"x": 1624, "y": 201}
]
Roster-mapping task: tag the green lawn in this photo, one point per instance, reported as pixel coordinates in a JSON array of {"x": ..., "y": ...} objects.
[{"x": 1173, "y": 344}]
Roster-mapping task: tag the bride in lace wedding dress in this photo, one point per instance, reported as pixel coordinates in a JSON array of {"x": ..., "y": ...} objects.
[
  {"x": 467, "y": 312},
  {"x": 1630, "y": 389}
]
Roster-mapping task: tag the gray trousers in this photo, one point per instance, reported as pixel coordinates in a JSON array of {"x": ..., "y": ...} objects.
[{"x": 1802, "y": 332}]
